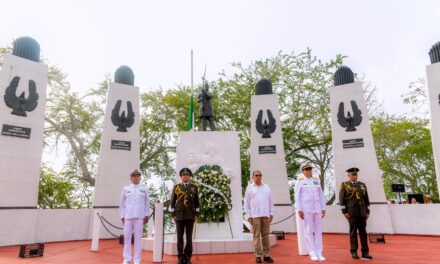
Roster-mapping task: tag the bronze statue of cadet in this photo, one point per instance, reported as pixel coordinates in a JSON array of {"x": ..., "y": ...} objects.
[{"x": 205, "y": 112}]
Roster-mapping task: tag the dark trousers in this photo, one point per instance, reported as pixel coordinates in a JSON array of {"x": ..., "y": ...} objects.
[
  {"x": 184, "y": 226},
  {"x": 211, "y": 123},
  {"x": 358, "y": 223}
]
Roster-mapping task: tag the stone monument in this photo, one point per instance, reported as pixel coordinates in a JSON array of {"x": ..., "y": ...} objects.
[
  {"x": 433, "y": 81},
  {"x": 267, "y": 153},
  {"x": 23, "y": 80},
  {"x": 353, "y": 145},
  {"x": 120, "y": 149}
]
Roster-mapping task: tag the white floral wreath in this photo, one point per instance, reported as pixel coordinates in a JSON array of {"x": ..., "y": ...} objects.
[{"x": 214, "y": 193}]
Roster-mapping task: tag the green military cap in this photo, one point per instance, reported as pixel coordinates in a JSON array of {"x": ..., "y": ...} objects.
[
  {"x": 354, "y": 169},
  {"x": 185, "y": 170}
]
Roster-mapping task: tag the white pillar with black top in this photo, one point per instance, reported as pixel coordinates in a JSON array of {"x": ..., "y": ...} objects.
[
  {"x": 23, "y": 81},
  {"x": 120, "y": 142},
  {"x": 267, "y": 153},
  {"x": 433, "y": 81},
  {"x": 353, "y": 145}
]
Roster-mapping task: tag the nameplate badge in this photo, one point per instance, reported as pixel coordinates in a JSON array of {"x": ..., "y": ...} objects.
[
  {"x": 353, "y": 143},
  {"x": 121, "y": 145},
  {"x": 271, "y": 149},
  {"x": 16, "y": 131}
]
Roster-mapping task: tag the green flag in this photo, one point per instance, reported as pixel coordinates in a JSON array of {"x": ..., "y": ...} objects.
[{"x": 191, "y": 114}]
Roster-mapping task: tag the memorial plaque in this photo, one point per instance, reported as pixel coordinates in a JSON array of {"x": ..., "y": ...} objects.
[
  {"x": 271, "y": 149},
  {"x": 120, "y": 144},
  {"x": 16, "y": 131},
  {"x": 353, "y": 143}
]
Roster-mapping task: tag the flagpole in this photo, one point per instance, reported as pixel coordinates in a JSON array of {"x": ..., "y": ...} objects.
[{"x": 192, "y": 86}]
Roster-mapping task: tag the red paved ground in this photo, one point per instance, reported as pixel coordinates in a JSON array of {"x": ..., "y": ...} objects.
[{"x": 398, "y": 249}]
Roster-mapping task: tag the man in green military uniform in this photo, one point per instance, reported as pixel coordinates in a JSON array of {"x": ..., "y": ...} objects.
[
  {"x": 184, "y": 209},
  {"x": 353, "y": 198}
]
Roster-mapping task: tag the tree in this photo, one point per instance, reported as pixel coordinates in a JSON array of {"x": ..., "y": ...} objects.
[
  {"x": 300, "y": 81},
  {"x": 75, "y": 121},
  {"x": 58, "y": 191},
  {"x": 417, "y": 98},
  {"x": 404, "y": 150}
]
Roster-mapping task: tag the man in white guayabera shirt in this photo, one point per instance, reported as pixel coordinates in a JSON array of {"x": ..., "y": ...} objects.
[
  {"x": 310, "y": 204},
  {"x": 259, "y": 211},
  {"x": 134, "y": 210}
]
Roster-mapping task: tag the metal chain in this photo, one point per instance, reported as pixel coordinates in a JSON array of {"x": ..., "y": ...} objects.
[
  {"x": 278, "y": 221},
  {"x": 102, "y": 222}
]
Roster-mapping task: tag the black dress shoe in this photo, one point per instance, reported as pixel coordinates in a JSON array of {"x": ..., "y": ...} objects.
[
  {"x": 268, "y": 260},
  {"x": 258, "y": 260},
  {"x": 366, "y": 257},
  {"x": 354, "y": 255}
]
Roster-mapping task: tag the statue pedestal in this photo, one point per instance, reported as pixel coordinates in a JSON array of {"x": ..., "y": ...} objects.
[{"x": 196, "y": 149}]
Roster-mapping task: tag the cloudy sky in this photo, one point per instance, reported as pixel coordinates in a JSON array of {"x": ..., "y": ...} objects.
[{"x": 388, "y": 41}]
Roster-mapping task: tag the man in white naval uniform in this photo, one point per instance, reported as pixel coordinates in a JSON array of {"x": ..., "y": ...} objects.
[
  {"x": 310, "y": 204},
  {"x": 134, "y": 210}
]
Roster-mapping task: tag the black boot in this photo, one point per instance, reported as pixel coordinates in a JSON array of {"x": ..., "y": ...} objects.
[
  {"x": 354, "y": 255},
  {"x": 365, "y": 255}
]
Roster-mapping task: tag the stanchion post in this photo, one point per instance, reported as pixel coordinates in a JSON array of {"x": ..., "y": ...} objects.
[
  {"x": 158, "y": 233},
  {"x": 96, "y": 227}
]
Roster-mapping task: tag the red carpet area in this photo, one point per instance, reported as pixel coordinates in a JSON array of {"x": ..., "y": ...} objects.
[{"x": 399, "y": 249}]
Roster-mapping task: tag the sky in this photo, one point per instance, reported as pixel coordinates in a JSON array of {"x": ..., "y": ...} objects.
[{"x": 387, "y": 41}]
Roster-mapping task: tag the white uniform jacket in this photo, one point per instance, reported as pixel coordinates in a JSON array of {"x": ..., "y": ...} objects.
[
  {"x": 309, "y": 196},
  {"x": 134, "y": 202}
]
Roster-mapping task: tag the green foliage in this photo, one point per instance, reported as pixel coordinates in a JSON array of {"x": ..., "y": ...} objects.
[
  {"x": 300, "y": 81},
  {"x": 404, "y": 150},
  {"x": 59, "y": 191}
]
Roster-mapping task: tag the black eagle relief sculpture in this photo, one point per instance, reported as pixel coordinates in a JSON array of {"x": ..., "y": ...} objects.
[
  {"x": 266, "y": 128},
  {"x": 122, "y": 121},
  {"x": 349, "y": 121},
  {"x": 20, "y": 104}
]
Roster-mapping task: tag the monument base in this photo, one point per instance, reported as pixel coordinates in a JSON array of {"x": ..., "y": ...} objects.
[{"x": 208, "y": 246}]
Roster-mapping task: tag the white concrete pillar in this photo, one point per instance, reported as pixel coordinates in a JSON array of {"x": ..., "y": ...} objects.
[
  {"x": 158, "y": 233},
  {"x": 120, "y": 146},
  {"x": 21, "y": 124},
  {"x": 267, "y": 153},
  {"x": 96, "y": 229},
  {"x": 301, "y": 239},
  {"x": 353, "y": 144},
  {"x": 433, "y": 81}
]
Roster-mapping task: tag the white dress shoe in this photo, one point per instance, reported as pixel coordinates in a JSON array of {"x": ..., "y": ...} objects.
[
  {"x": 321, "y": 258},
  {"x": 314, "y": 258}
]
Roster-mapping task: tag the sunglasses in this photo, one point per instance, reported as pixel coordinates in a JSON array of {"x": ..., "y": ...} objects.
[
  {"x": 307, "y": 169},
  {"x": 354, "y": 173},
  {"x": 258, "y": 175}
]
